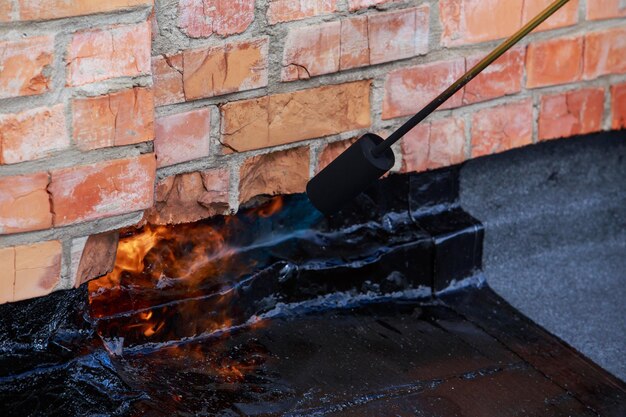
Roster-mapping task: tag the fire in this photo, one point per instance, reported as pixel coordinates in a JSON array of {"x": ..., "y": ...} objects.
[
  {"x": 273, "y": 207},
  {"x": 174, "y": 282}
]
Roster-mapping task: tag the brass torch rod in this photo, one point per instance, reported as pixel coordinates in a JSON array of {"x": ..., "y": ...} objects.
[{"x": 467, "y": 77}]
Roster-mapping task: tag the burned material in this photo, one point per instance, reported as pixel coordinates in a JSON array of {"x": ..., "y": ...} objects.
[{"x": 378, "y": 310}]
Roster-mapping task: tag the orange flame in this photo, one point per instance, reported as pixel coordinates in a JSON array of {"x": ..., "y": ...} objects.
[{"x": 161, "y": 265}]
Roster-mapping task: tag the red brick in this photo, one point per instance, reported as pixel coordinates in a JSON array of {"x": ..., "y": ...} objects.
[
  {"x": 24, "y": 203},
  {"x": 571, "y": 113},
  {"x": 361, "y": 4},
  {"x": 501, "y": 128},
  {"x": 291, "y": 117},
  {"x": 30, "y": 270},
  {"x": 32, "y": 134},
  {"x": 618, "y": 106},
  {"x": 56, "y": 9},
  {"x": 7, "y": 278},
  {"x": 556, "y": 61},
  {"x": 167, "y": 75},
  {"x": 409, "y": 89},
  {"x": 332, "y": 151},
  {"x": 93, "y": 256},
  {"x": 102, "y": 189},
  {"x": 288, "y": 10},
  {"x": 605, "y": 9},
  {"x": 182, "y": 137},
  {"x": 501, "y": 78},
  {"x": 116, "y": 119},
  {"x": 285, "y": 172},
  {"x": 566, "y": 16},
  {"x": 605, "y": 52},
  {"x": 190, "y": 197},
  {"x": 433, "y": 145},
  {"x": 226, "y": 69},
  {"x": 117, "y": 51},
  {"x": 6, "y": 11},
  {"x": 399, "y": 34},
  {"x": 25, "y": 66},
  {"x": 202, "y": 18},
  {"x": 37, "y": 269},
  {"x": 354, "y": 43},
  {"x": 311, "y": 51},
  {"x": 470, "y": 21}
]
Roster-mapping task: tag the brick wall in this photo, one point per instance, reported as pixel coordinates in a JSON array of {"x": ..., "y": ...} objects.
[{"x": 120, "y": 112}]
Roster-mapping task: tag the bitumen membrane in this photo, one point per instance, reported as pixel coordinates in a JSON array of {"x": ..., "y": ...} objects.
[
  {"x": 555, "y": 237},
  {"x": 285, "y": 312}
]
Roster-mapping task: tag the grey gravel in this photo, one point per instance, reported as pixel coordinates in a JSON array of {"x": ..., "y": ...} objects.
[{"x": 555, "y": 237}]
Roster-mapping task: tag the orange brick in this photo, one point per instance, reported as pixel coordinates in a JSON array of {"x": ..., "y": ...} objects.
[
  {"x": 470, "y": 21},
  {"x": 311, "y": 51},
  {"x": 291, "y": 117},
  {"x": 605, "y": 52},
  {"x": 618, "y": 106},
  {"x": 32, "y": 134},
  {"x": 556, "y": 61},
  {"x": 56, "y": 9},
  {"x": 285, "y": 172},
  {"x": 190, "y": 197},
  {"x": 25, "y": 66},
  {"x": 117, "y": 51},
  {"x": 37, "y": 269},
  {"x": 288, "y": 10},
  {"x": 566, "y": 16},
  {"x": 499, "y": 79},
  {"x": 361, "y": 4},
  {"x": 103, "y": 189},
  {"x": 226, "y": 69},
  {"x": 605, "y": 9},
  {"x": 116, "y": 119},
  {"x": 501, "y": 128},
  {"x": 167, "y": 75},
  {"x": 182, "y": 137},
  {"x": 92, "y": 256},
  {"x": 399, "y": 34},
  {"x": 409, "y": 89},
  {"x": 332, "y": 151},
  {"x": 24, "y": 203},
  {"x": 6, "y": 11},
  {"x": 202, "y": 18},
  {"x": 433, "y": 145},
  {"x": 571, "y": 113},
  {"x": 7, "y": 278},
  {"x": 354, "y": 43}
]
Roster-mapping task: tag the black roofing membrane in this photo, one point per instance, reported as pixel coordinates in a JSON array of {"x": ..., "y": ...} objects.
[{"x": 381, "y": 310}]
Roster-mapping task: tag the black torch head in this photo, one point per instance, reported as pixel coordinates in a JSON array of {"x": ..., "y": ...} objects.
[{"x": 349, "y": 174}]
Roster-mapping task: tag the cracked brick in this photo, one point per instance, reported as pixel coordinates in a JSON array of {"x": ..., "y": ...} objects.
[
  {"x": 24, "y": 66},
  {"x": 104, "y": 189},
  {"x": 122, "y": 118},
  {"x": 24, "y": 203},
  {"x": 571, "y": 113},
  {"x": 117, "y": 51},
  {"x": 500, "y": 128},
  {"x": 215, "y": 71},
  {"x": 33, "y": 134},
  {"x": 291, "y": 117}
]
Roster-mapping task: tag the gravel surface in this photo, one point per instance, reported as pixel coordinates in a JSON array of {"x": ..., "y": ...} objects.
[{"x": 555, "y": 237}]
